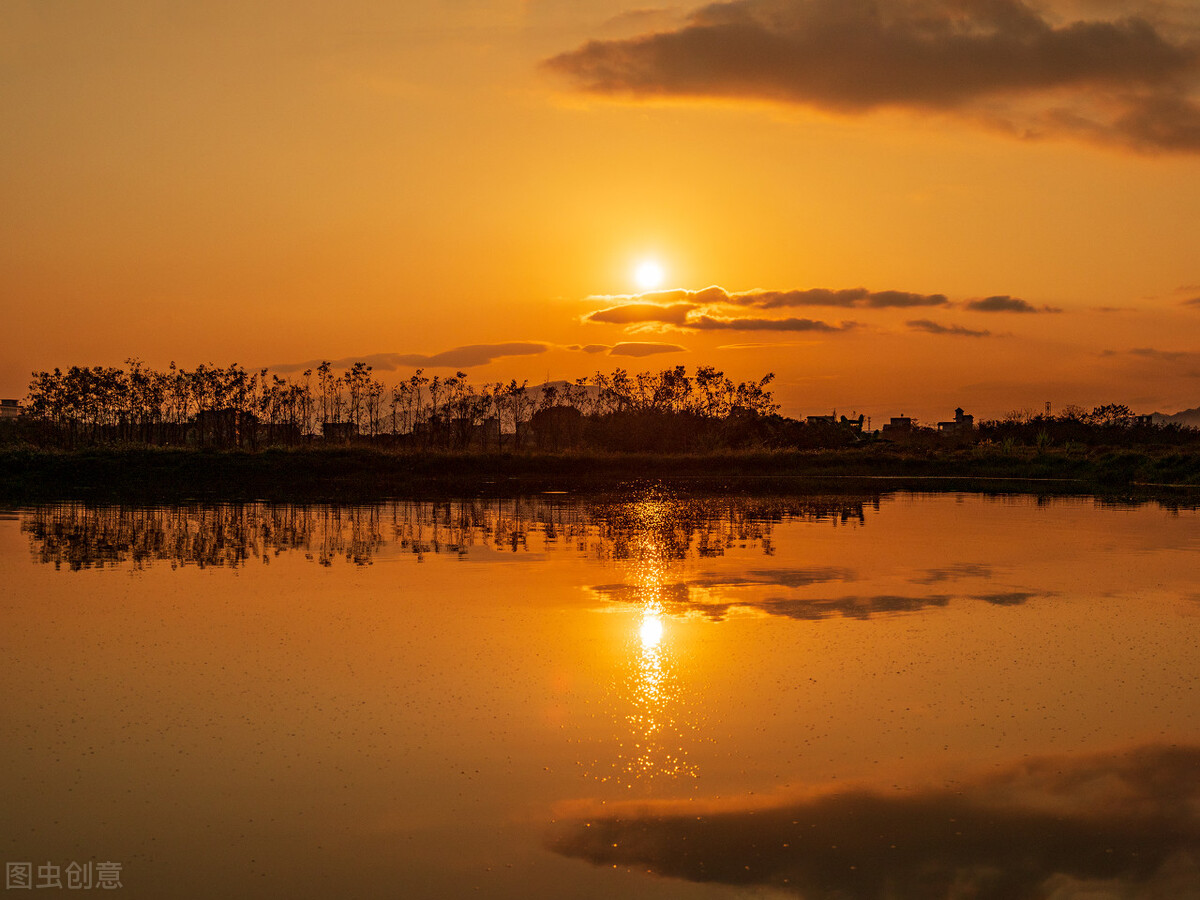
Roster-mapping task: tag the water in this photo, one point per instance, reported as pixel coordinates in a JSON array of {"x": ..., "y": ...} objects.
[{"x": 648, "y": 696}]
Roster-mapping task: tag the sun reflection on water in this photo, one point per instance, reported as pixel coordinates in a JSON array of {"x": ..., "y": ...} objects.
[
  {"x": 658, "y": 719},
  {"x": 651, "y": 631}
]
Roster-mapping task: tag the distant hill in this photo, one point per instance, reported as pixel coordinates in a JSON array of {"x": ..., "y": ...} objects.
[{"x": 1189, "y": 418}]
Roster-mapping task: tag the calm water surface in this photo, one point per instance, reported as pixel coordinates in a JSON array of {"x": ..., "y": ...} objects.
[{"x": 901, "y": 697}]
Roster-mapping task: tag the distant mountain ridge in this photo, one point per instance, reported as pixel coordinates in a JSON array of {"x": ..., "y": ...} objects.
[{"x": 1189, "y": 418}]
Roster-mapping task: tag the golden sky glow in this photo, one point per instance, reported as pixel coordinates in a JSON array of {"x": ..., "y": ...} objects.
[{"x": 274, "y": 183}]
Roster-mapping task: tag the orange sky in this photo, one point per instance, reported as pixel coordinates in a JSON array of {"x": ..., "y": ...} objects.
[{"x": 274, "y": 183}]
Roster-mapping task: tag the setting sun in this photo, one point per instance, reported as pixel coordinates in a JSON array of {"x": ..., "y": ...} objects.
[{"x": 649, "y": 274}]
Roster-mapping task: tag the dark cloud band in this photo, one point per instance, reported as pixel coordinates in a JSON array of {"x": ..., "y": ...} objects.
[
  {"x": 1122, "y": 80},
  {"x": 931, "y": 327},
  {"x": 1004, "y": 303}
]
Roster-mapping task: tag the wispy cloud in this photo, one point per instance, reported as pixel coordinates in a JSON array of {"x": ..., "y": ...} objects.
[
  {"x": 1005, "y": 303},
  {"x": 464, "y": 357},
  {"x": 767, "y": 345},
  {"x": 639, "y": 21},
  {"x": 631, "y": 313},
  {"x": 849, "y": 297},
  {"x": 931, "y": 327},
  {"x": 714, "y": 295},
  {"x": 589, "y": 348},
  {"x": 1127, "y": 81},
  {"x": 1163, "y": 355},
  {"x": 644, "y": 348},
  {"x": 754, "y": 323},
  {"x": 1154, "y": 354}
]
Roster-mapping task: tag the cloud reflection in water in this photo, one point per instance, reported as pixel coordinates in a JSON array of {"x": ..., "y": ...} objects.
[
  {"x": 714, "y": 597},
  {"x": 1123, "y": 825}
]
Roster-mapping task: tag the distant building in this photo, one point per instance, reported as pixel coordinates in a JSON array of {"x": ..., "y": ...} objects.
[
  {"x": 10, "y": 409},
  {"x": 855, "y": 424},
  {"x": 961, "y": 422},
  {"x": 899, "y": 424}
]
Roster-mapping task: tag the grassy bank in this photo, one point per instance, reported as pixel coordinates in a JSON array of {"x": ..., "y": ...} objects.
[{"x": 364, "y": 473}]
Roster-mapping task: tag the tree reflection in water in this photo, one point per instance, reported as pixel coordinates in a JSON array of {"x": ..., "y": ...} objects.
[{"x": 81, "y": 536}]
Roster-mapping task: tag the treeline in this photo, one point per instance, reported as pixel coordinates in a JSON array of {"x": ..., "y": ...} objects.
[
  {"x": 233, "y": 406},
  {"x": 670, "y": 411},
  {"x": 1108, "y": 425}
]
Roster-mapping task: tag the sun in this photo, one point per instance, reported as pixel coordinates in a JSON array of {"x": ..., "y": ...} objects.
[{"x": 649, "y": 274}]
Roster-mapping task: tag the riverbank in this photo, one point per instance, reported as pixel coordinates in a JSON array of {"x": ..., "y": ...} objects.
[{"x": 365, "y": 473}]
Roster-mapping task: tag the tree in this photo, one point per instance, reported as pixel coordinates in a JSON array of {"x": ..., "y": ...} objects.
[{"x": 1111, "y": 414}]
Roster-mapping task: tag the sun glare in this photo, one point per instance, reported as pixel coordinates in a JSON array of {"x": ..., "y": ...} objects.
[
  {"x": 651, "y": 631},
  {"x": 649, "y": 274}
]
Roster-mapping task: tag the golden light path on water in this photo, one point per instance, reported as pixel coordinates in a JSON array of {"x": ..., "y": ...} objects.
[{"x": 656, "y": 750}]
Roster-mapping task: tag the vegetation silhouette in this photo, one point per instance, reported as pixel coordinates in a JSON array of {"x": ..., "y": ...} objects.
[
  {"x": 211, "y": 406},
  {"x": 670, "y": 411},
  {"x": 324, "y": 435}
]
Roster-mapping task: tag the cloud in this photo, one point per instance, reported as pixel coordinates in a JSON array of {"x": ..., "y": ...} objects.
[
  {"x": 1124, "y": 80},
  {"x": 769, "y": 345},
  {"x": 849, "y": 297},
  {"x": 709, "y": 323},
  {"x": 463, "y": 357},
  {"x": 1170, "y": 356},
  {"x": 1004, "y": 303},
  {"x": 1115, "y": 825},
  {"x": 660, "y": 298},
  {"x": 476, "y": 354},
  {"x": 644, "y": 348},
  {"x": 932, "y": 327},
  {"x": 683, "y": 309},
  {"x": 1194, "y": 301},
  {"x": 1153, "y": 354},
  {"x": 640, "y": 20},
  {"x": 716, "y": 309},
  {"x": 632, "y": 313},
  {"x": 714, "y": 295},
  {"x": 1162, "y": 355}
]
